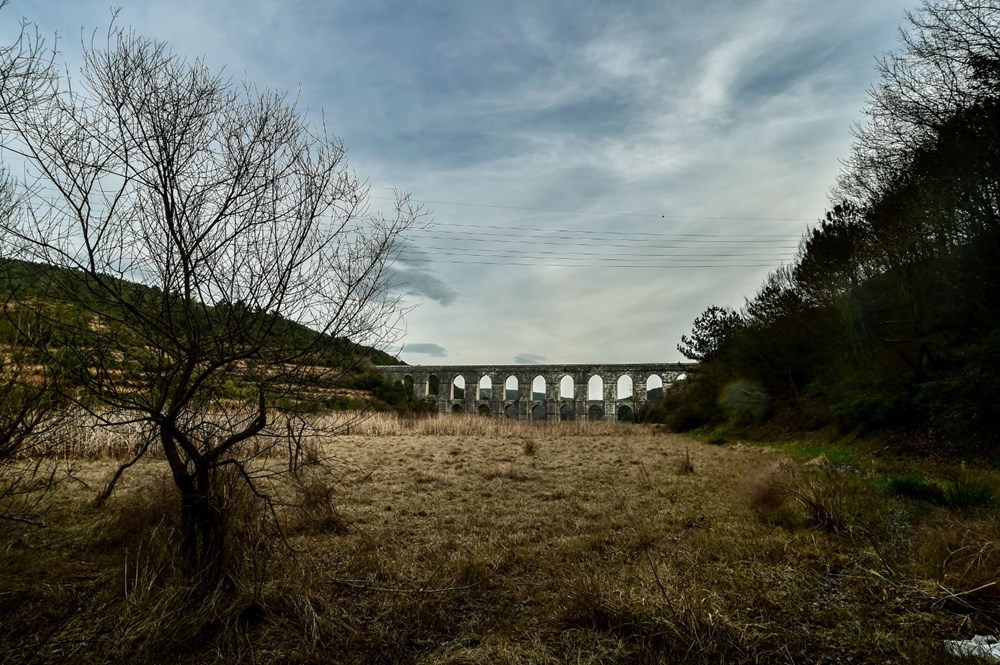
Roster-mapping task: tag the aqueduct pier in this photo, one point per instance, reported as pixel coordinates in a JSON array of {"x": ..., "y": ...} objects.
[{"x": 507, "y": 390}]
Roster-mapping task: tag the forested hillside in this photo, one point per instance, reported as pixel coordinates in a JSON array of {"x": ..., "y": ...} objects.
[{"x": 888, "y": 318}]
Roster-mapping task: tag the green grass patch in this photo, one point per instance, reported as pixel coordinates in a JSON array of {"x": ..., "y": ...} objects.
[
  {"x": 955, "y": 494},
  {"x": 809, "y": 450}
]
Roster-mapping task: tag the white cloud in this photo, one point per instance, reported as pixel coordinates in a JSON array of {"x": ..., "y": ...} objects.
[{"x": 722, "y": 109}]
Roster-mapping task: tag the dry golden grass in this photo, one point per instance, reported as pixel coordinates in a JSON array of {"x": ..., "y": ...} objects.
[{"x": 467, "y": 540}]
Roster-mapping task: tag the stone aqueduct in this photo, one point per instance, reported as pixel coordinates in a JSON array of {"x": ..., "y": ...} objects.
[{"x": 436, "y": 383}]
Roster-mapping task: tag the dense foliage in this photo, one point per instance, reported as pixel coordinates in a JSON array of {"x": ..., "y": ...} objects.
[{"x": 890, "y": 315}]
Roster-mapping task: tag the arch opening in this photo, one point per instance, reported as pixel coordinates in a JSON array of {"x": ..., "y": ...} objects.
[
  {"x": 625, "y": 414},
  {"x": 538, "y": 387},
  {"x": 510, "y": 387},
  {"x": 624, "y": 388},
  {"x": 595, "y": 388},
  {"x": 510, "y": 411},
  {"x": 485, "y": 387},
  {"x": 538, "y": 412},
  {"x": 566, "y": 412},
  {"x": 654, "y": 387},
  {"x": 484, "y": 409},
  {"x": 457, "y": 408},
  {"x": 458, "y": 387},
  {"x": 595, "y": 413},
  {"x": 567, "y": 387},
  {"x": 433, "y": 384}
]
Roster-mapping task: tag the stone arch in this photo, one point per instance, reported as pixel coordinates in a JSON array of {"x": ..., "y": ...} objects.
[
  {"x": 510, "y": 385},
  {"x": 595, "y": 412},
  {"x": 624, "y": 389},
  {"x": 625, "y": 414},
  {"x": 538, "y": 381},
  {"x": 457, "y": 408},
  {"x": 485, "y": 387},
  {"x": 458, "y": 387},
  {"x": 484, "y": 409},
  {"x": 567, "y": 387},
  {"x": 538, "y": 412},
  {"x": 595, "y": 387},
  {"x": 510, "y": 411},
  {"x": 433, "y": 385},
  {"x": 566, "y": 412}
]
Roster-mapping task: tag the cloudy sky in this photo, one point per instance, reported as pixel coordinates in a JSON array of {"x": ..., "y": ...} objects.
[{"x": 596, "y": 173}]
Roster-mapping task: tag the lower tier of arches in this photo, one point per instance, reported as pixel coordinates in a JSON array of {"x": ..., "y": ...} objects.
[{"x": 543, "y": 410}]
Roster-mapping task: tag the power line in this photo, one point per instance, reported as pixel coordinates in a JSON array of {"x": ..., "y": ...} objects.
[
  {"x": 448, "y": 251},
  {"x": 581, "y": 265},
  {"x": 431, "y": 227},
  {"x": 611, "y": 214},
  {"x": 561, "y": 241}
]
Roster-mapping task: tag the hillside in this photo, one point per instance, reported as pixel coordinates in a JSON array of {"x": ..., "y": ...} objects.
[
  {"x": 338, "y": 375},
  {"x": 66, "y": 289}
]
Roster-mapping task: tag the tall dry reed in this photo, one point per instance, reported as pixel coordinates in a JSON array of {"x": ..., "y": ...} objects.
[{"x": 80, "y": 435}]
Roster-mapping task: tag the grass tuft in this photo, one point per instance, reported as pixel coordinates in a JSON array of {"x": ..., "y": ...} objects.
[
  {"x": 684, "y": 465},
  {"x": 778, "y": 490},
  {"x": 960, "y": 494}
]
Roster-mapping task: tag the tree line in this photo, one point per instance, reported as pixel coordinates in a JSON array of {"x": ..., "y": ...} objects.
[{"x": 888, "y": 317}]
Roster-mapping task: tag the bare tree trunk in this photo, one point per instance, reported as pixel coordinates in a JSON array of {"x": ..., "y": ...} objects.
[{"x": 203, "y": 533}]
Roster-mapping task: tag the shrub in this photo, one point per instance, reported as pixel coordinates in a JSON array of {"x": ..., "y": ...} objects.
[
  {"x": 687, "y": 405},
  {"x": 744, "y": 402},
  {"x": 768, "y": 493},
  {"x": 314, "y": 504},
  {"x": 717, "y": 439},
  {"x": 773, "y": 494}
]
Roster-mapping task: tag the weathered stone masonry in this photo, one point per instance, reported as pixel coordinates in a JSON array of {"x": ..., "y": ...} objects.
[{"x": 610, "y": 407}]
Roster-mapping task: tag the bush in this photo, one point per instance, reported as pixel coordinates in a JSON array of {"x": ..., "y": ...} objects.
[
  {"x": 775, "y": 493},
  {"x": 686, "y": 406},
  {"x": 717, "y": 439},
  {"x": 960, "y": 396},
  {"x": 862, "y": 400},
  {"x": 314, "y": 508},
  {"x": 744, "y": 402}
]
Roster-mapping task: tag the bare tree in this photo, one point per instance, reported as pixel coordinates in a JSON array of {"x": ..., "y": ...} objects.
[
  {"x": 948, "y": 63},
  {"x": 28, "y": 400},
  {"x": 260, "y": 265}
]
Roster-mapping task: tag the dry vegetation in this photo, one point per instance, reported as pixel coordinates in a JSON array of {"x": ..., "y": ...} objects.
[{"x": 466, "y": 540}]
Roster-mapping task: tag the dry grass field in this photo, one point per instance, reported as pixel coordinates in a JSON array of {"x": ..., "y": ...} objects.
[{"x": 471, "y": 541}]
